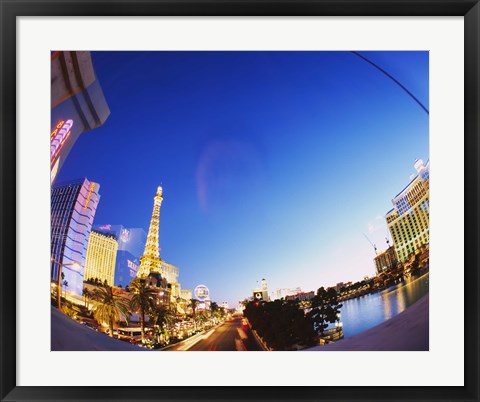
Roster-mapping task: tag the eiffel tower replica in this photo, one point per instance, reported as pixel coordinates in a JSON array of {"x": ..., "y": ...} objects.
[{"x": 150, "y": 262}]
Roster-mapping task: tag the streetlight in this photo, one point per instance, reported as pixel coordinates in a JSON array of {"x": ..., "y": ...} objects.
[{"x": 77, "y": 266}]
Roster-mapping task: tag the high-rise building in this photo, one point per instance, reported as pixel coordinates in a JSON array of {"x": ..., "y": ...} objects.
[
  {"x": 77, "y": 102},
  {"x": 101, "y": 257},
  {"x": 126, "y": 268},
  {"x": 131, "y": 242},
  {"x": 129, "y": 239},
  {"x": 73, "y": 207},
  {"x": 408, "y": 221}
]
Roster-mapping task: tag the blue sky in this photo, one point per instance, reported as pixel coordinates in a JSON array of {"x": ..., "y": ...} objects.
[{"x": 273, "y": 164}]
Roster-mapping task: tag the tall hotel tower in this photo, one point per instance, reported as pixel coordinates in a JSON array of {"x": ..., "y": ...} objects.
[
  {"x": 101, "y": 257},
  {"x": 408, "y": 221},
  {"x": 150, "y": 260},
  {"x": 73, "y": 207}
]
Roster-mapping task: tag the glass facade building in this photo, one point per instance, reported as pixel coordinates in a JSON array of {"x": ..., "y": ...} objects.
[
  {"x": 131, "y": 242},
  {"x": 126, "y": 268},
  {"x": 77, "y": 103},
  {"x": 73, "y": 207}
]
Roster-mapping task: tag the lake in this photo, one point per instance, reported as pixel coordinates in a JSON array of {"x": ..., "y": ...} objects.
[{"x": 365, "y": 312}]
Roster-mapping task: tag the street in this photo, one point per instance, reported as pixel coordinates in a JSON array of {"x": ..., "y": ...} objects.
[{"x": 230, "y": 336}]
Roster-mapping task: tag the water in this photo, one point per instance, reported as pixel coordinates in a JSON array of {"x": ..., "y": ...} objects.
[{"x": 365, "y": 312}]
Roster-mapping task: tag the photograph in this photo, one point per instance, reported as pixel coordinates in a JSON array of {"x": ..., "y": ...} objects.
[{"x": 263, "y": 201}]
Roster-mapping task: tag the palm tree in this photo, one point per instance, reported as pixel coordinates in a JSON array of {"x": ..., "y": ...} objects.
[
  {"x": 193, "y": 304},
  {"x": 86, "y": 294},
  {"x": 109, "y": 306},
  {"x": 143, "y": 300},
  {"x": 162, "y": 319}
]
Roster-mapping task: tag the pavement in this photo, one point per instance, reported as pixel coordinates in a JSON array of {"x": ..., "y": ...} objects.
[
  {"x": 68, "y": 335},
  {"x": 407, "y": 331}
]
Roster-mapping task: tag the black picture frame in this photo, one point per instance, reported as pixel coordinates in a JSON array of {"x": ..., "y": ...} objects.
[{"x": 9, "y": 10}]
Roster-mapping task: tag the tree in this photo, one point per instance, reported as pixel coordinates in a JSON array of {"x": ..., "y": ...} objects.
[
  {"x": 193, "y": 304},
  {"x": 86, "y": 295},
  {"x": 162, "y": 318},
  {"x": 143, "y": 300},
  {"x": 109, "y": 306},
  {"x": 324, "y": 309}
]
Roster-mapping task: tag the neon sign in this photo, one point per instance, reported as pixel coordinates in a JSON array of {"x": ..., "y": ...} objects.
[
  {"x": 58, "y": 137},
  {"x": 89, "y": 196},
  {"x": 105, "y": 227},
  {"x": 201, "y": 292},
  {"x": 54, "y": 171}
]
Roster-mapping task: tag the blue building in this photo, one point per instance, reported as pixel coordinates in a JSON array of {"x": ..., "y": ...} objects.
[
  {"x": 73, "y": 207},
  {"x": 131, "y": 242},
  {"x": 77, "y": 103}
]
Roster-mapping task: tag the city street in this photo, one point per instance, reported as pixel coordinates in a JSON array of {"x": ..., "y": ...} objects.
[{"x": 230, "y": 336}]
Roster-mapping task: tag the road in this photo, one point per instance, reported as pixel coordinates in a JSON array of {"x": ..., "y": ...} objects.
[{"x": 230, "y": 336}]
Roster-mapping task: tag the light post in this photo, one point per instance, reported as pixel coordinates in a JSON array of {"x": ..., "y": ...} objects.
[{"x": 59, "y": 278}]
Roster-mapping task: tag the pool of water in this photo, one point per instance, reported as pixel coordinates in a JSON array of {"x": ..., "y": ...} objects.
[{"x": 365, "y": 312}]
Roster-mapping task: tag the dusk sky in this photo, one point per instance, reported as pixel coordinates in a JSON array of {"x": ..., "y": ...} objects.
[{"x": 273, "y": 164}]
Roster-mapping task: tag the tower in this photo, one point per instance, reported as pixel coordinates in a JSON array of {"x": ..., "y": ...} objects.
[{"x": 150, "y": 260}]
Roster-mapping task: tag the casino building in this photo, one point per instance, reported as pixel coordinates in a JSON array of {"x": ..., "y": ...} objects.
[
  {"x": 73, "y": 207},
  {"x": 77, "y": 102},
  {"x": 408, "y": 221},
  {"x": 101, "y": 257},
  {"x": 130, "y": 247}
]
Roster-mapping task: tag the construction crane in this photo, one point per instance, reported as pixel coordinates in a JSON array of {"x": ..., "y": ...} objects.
[{"x": 373, "y": 245}]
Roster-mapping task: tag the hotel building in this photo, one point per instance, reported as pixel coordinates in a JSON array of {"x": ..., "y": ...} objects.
[
  {"x": 186, "y": 294},
  {"x": 408, "y": 221},
  {"x": 77, "y": 102},
  {"x": 101, "y": 257},
  {"x": 385, "y": 261},
  {"x": 73, "y": 207},
  {"x": 130, "y": 247}
]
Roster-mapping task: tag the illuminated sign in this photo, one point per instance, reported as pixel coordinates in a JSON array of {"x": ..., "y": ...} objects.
[
  {"x": 54, "y": 171},
  {"x": 125, "y": 235},
  {"x": 58, "y": 137},
  {"x": 201, "y": 292},
  {"x": 105, "y": 227},
  {"x": 133, "y": 268},
  {"x": 89, "y": 196}
]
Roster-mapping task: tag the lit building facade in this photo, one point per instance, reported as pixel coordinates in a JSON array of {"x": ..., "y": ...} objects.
[
  {"x": 385, "y": 261},
  {"x": 101, "y": 257},
  {"x": 73, "y": 208},
  {"x": 302, "y": 296},
  {"x": 130, "y": 247},
  {"x": 186, "y": 294},
  {"x": 77, "y": 102},
  {"x": 126, "y": 268},
  {"x": 261, "y": 293},
  {"x": 408, "y": 221}
]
